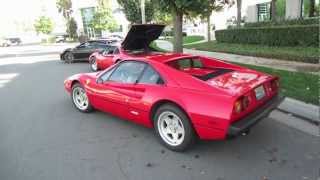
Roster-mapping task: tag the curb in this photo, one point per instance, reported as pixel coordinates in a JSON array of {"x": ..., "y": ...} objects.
[{"x": 300, "y": 109}]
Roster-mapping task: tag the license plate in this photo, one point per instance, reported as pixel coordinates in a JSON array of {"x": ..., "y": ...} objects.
[{"x": 260, "y": 93}]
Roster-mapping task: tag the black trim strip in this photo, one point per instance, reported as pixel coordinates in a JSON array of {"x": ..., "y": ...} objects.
[{"x": 216, "y": 73}]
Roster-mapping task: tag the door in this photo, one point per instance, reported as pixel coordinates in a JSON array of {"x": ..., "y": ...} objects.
[
  {"x": 108, "y": 57},
  {"x": 148, "y": 86},
  {"x": 118, "y": 87},
  {"x": 83, "y": 50}
]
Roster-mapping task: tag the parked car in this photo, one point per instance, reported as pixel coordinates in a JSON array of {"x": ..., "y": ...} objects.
[
  {"x": 136, "y": 44},
  {"x": 14, "y": 41},
  {"x": 84, "y": 50},
  {"x": 116, "y": 36},
  {"x": 4, "y": 42},
  {"x": 60, "y": 38},
  {"x": 183, "y": 97}
]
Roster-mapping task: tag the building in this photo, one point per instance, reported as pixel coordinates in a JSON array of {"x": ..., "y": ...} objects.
[
  {"x": 83, "y": 12},
  {"x": 286, "y": 9}
]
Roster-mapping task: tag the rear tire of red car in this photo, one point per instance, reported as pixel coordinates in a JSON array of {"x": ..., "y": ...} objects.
[
  {"x": 93, "y": 64},
  {"x": 174, "y": 128},
  {"x": 80, "y": 99},
  {"x": 68, "y": 57}
]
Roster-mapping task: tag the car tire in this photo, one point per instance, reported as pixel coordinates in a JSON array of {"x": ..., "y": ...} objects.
[
  {"x": 173, "y": 128},
  {"x": 68, "y": 57},
  {"x": 93, "y": 64},
  {"x": 80, "y": 99}
]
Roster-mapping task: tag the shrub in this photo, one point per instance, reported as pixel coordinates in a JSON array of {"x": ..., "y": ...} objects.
[
  {"x": 272, "y": 36},
  {"x": 308, "y": 21}
]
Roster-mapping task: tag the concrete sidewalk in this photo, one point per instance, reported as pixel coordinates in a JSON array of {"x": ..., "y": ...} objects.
[
  {"x": 291, "y": 106},
  {"x": 259, "y": 61}
]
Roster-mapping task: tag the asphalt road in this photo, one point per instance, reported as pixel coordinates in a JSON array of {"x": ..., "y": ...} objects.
[{"x": 43, "y": 137}]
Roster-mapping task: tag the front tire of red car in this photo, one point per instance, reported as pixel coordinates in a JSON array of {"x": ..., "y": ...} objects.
[
  {"x": 93, "y": 64},
  {"x": 80, "y": 99},
  {"x": 174, "y": 128}
]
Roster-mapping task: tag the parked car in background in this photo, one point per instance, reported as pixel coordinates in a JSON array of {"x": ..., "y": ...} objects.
[
  {"x": 60, "y": 38},
  {"x": 84, "y": 50},
  {"x": 136, "y": 44},
  {"x": 4, "y": 42},
  {"x": 14, "y": 40},
  {"x": 116, "y": 36},
  {"x": 183, "y": 97}
]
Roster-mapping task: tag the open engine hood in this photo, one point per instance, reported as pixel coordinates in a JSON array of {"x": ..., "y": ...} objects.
[{"x": 140, "y": 36}]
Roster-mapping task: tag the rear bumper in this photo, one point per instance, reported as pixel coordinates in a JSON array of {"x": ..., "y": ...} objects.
[{"x": 247, "y": 122}]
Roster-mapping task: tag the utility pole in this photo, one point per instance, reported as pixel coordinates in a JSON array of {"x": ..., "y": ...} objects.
[{"x": 143, "y": 12}]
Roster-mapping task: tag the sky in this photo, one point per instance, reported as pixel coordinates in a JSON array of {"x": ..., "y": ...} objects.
[{"x": 18, "y": 16}]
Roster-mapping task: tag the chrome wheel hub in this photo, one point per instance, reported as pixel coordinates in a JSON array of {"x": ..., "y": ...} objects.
[
  {"x": 94, "y": 65},
  {"x": 80, "y": 98},
  {"x": 171, "y": 128}
]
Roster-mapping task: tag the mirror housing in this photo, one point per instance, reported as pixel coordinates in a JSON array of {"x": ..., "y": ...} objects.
[{"x": 99, "y": 80}]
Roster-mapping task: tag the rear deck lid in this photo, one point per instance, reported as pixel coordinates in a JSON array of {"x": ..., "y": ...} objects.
[
  {"x": 238, "y": 82},
  {"x": 140, "y": 36}
]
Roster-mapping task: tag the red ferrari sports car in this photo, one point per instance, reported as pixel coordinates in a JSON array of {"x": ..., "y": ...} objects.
[
  {"x": 183, "y": 97},
  {"x": 136, "y": 44}
]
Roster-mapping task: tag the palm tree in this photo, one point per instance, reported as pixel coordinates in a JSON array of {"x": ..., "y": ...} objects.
[
  {"x": 274, "y": 10},
  {"x": 239, "y": 2}
]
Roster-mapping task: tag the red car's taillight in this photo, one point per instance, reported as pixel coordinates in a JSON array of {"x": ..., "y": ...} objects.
[
  {"x": 241, "y": 104},
  {"x": 275, "y": 85}
]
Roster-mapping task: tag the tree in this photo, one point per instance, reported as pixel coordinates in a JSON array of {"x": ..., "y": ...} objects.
[
  {"x": 132, "y": 10},
  {"x": 178, "y": 8},
  {"x": 239, "y": 5},
  {"x": 274, "y": 10},
  {"x": 64, "y": 7},
  {"x": 312, "y": 9},
  {"x": 72, "y": 28},
  {"x": 43, "y": 25},
  {"x": 208, "y": 7},
  {"x": 103, "y": 20},
  {"x": 162, "y": 17}
]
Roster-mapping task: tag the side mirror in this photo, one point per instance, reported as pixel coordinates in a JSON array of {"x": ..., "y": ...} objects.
[{"x": 99, "y": 81}]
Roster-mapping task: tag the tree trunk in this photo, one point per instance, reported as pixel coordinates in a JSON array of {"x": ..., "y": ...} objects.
[
  {"x": 274, "y": 10},
  {"x": 312, "y": 8},
  {"x": 239, "y": 2},
  {"x": 177, "y": 18},
  {"x": 209, "y": 28}
]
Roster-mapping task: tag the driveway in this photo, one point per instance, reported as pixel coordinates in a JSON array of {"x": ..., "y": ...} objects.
[{"x": 43, "y": 137}]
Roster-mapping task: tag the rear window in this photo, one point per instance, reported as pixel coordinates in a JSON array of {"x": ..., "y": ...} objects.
[{"x": 186, "y": 63}]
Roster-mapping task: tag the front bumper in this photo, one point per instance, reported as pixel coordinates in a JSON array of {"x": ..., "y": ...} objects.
[{"x": 247, "y": 122}]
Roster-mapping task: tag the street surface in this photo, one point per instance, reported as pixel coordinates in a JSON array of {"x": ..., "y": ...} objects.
[{"x": 43, "y": 137}]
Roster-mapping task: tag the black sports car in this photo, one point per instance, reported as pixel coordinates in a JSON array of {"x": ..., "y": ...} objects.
[{"x": 84, "y": 50}]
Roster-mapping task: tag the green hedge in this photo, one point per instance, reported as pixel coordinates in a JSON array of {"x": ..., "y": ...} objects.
[
  {"x": 308, "y": 21},
  {"x": 272, "y": 36}
]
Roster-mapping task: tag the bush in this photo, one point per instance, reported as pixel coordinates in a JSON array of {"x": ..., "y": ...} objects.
[
  {"x": 309, "y": 21},
  {"x": 272, "y": 36}
]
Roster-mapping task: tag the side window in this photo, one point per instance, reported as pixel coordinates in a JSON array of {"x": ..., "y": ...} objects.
[
  {"x": 105, "y": 51},
  {"x": 197, "y": 63},
  {"x": 83, "y": 45},
  {"x": 91, "y": 44},
  {"x": 116, "y": 51},
  {"x": 111, "y": 50},
  {"x": 150, "y": 76},
  {"x": 184, "y": 63},
  {"x": 100, "y": 45},
  {"x": 107, "y": 74},
  {"x": 127, "y": 72}
]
